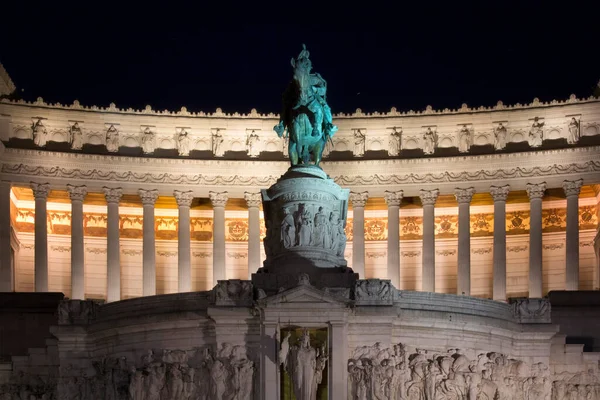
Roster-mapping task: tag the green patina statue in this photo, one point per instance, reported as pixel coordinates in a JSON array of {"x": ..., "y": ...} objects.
[{"x": 306, "y": 119}]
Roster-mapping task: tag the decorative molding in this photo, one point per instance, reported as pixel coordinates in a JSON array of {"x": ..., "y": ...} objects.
[
  {"x": 410, "y": 254},
  {"x": 61, "y": 249},
  {"x": 377, "y": 254},
  {"x": 481, "y": 250},
  {"x": 516, "y": 249},
  {"x": 201, "y": 254},
  {"x": 590, "y": 166},
  {"x": 586, "y": 244},
  {"x": 553, "y": 246},
  {"x": 28, "y": 246},
  {"x": 96, "y": 250},
  {"x": 166, "y": 253},
  {"x": 236, "y": 255},
  {"x": 131, "y": 252},
  {"x": 445, "y": 252}
]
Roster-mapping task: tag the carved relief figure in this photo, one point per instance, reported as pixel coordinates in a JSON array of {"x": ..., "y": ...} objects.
[
  {"x": 322, "y": 230},
  {"x": 40, "y": 134},
  {"x": 183, "y": 143},
  {"x": 394, "y": 145},
  {"x": 112, "y": 139},
  {"x": 303, "y": 365},
  {"x": 288, "y": 229},
  {"x": 430, "y": 139},
  {"x": 148, "y": 142},
  {"x": 464, "y": 139},
  {"x": 573, "y": 136},
  {"x": 536, "y": 133},
  {"x": 217, "y": 141},
  {"x": 252, "y": 144},
  {"x": 305, "y": 228},
  {"x": 338, "y": 235},
  {"x": 500, "y": 137},
  {"x": 76, "y": 137},
  {"x": 359, "y": 143}
]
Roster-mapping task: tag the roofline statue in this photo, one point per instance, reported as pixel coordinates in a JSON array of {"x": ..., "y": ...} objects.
[{"x": 306, "y": 119}]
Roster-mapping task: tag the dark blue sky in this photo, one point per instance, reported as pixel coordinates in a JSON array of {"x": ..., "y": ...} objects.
[{"x": 373, "y": 56}]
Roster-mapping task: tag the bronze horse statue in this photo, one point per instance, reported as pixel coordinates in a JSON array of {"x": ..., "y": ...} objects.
[{"x": 306, "y": 117}]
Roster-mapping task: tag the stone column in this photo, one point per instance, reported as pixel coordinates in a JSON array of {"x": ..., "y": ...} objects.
[
  {"x": 338, "y": 360},
  {"x": 40, "y": 192},
  {"x": 149, "y": 198},
  {"x": 113, "y": 259},
  {"x": 218, "y": 201},
  {"x": 535, "y": 193},
  {"x": 184, "y": 201},
  {"x": 572, "y": 189},
  {"x": 6, "y": 273},
  {"x": 358, "y": 232},
  {"x": 428, "y": 199},
  {"x": 463, "y": 197},
  {"x": 393, "y": 200},
  {"x": 269, "y": 362},
  {"x": 499, "y": 194},
  {"x": 253, "y": 201},
  {"x": 77, "y": 194}
]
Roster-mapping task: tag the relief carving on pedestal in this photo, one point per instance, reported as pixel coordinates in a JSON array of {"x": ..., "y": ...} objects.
[
  {"x": 77, "y": 312},
  {"x": 531, "y": 311},
  {"x": 373, "y": 292},
  {"x": 233, "y": 292}
]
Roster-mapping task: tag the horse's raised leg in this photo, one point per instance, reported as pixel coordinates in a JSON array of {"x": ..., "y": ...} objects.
[
  {"x": 293, "y": 153},
  {"x": 318, "y": 151}
]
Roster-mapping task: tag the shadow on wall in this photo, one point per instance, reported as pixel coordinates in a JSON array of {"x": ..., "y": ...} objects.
[
  {"x": 578, "y": 315},
  {"x": 25, "y": 320}
]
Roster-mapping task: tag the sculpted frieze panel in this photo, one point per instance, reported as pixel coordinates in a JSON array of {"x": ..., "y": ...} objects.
[
  {"x": 554, "y": 220},
  {"x": 379, "y": 373},
  {"x": 517, "y": 222},
  {"x": 198, "y": 374},
  {"x": 236, "y": 230},
  {"x": 482, "y": 224}
]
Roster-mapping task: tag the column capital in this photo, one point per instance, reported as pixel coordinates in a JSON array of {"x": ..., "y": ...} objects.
[
  {"x": 429, "y": 197},
  {"x": 536, "y": 190},
  {"x": 77, "y": 193},
  {"x": 464, "y": 195},
  {"x": 572, "y": 188},
  {"x": 184, "y": 199},
  {"x": 499, "y": 193},
  {"x": 393, "y": 198},
  {"x": 112, "y": 195},
  {"x": 359, "y": 199},
  {"x": 218, "y": 199},
  {"x": 148, "y": 197},
  {"x": 253, "y": 200},
  {"x": 40, "y": 190}
]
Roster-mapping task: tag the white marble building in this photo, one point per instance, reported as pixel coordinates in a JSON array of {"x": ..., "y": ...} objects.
[{"x": 494, "y": 203}]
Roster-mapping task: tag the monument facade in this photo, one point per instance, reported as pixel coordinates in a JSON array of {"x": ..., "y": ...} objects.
[{"x": 419, "y": 274}]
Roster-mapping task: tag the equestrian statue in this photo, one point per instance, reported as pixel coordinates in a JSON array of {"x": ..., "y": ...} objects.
[{"x": 306, "y": 119}]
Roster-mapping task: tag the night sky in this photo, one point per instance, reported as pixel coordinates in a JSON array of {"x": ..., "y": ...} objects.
[{"x": 373, "y": 56}]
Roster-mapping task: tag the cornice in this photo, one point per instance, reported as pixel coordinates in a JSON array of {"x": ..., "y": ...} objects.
[
  {"x": 372, "y": 175},
  {"x": 358, "y": 113}
]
